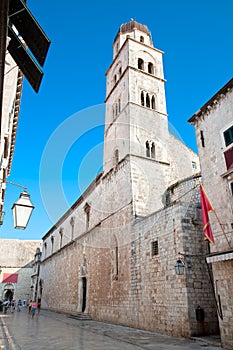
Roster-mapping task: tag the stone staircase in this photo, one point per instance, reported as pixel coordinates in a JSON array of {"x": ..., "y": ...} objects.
[{"x": 80, "y": 316}]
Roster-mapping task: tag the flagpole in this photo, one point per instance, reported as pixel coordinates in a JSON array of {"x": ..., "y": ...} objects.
[
  {"x": 209, "y": 208},
  {"x": 222, "y": 228}
]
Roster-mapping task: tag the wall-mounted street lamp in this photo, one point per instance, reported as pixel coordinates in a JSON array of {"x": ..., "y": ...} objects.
[
  {"x": 182, "y": 263},
  {"x": 22, "y": 208},
  {"x": 179, "y": 267}
]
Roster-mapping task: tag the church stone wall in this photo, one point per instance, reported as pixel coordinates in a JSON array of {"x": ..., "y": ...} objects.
[{"x": 143, "y": 291}]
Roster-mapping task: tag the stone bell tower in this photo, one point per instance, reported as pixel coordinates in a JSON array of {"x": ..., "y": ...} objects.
[{"x": 136, "y": 124}]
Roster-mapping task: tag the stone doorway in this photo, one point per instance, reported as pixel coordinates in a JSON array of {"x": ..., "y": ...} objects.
[
  {"x": 8, "y": 292},
  {"x": 84, "y": 293}
]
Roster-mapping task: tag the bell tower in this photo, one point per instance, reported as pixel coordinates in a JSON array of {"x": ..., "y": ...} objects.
[
  {"x": 135, "y": 96},
  {"x": 136, "y": 125}
]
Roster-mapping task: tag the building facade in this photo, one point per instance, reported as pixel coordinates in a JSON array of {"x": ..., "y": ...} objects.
[
  {"x": 12, "y": 91},
  {"x": 112, "y": 254},
  {"x": 214, "y": 132},
  {"x": 16, "y": 266}
]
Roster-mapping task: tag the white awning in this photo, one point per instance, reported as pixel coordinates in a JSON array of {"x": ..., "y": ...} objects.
[{"x": 220, "y": 257}]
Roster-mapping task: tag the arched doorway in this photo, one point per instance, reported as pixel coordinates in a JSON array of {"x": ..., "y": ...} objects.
[
  {"x": 8, "y": 292},
  {"x": 84, "y": 293}
]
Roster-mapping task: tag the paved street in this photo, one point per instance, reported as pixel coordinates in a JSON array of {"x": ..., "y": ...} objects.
[{"x": 50, "y": 330}]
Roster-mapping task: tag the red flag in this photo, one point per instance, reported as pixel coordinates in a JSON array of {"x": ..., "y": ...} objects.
[{"x": 206, "y": 207}]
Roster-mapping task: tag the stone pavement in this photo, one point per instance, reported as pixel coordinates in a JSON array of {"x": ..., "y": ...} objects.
[{"x": 51, "y": 330}]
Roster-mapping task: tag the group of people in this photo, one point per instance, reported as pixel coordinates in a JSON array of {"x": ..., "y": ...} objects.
[
  {"x": 33, "y": 306},
  {"x": 12, "y": 305}
]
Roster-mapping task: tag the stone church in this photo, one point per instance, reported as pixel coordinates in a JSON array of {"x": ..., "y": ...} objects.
[{"x": 112, "y": 255}]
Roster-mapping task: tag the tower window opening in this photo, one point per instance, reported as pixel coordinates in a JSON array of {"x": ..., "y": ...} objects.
[
  {"x": 116, "y": 109},
  {"x": 120, "y": 71},
  {"x": 116, "y": 156},
  {"x": 119, "y": 105},
  {"x": 141, "y": 39},
  {"x": 150, "y": 68},
  {"x": 115, "y": 78},
  {"x": 147, "y": 101},
  {"x": 142, "y": 99},
  {"x": 152, "y": 150},
  {"x": 140, "y": 64},
  {"x": 147, "y": 149},
  {"x": 153, "y": 102}
]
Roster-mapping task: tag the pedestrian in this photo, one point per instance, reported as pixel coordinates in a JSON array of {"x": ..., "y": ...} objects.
[
  {"x": 30, "y": 306},
  {"x": 19, "y": 305},
  {"x": 38, "y": 305},
  {"x": 33, "y": 309},
  {"x": 6, "y": 305},
  {"x": 12, "y": 305}
]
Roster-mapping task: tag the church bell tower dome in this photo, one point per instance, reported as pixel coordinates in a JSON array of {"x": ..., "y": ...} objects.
[{"x": 133, "y": 30}]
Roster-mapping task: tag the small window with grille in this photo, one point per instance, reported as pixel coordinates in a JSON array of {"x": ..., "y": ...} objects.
[{"x": 154, "y": 248}]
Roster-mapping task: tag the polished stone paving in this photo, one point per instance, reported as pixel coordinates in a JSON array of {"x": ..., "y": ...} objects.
[{"x": 53, "y": 331}]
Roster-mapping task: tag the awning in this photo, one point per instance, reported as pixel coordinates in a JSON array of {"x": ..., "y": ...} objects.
[{"x": 219, "y": 257}]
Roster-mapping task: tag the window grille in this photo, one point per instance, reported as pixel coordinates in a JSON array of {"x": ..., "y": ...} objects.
[{"x": 154, "y": 248}]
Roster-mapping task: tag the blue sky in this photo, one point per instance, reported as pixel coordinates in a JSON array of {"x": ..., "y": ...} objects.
[{"x": 60, "y": 134}]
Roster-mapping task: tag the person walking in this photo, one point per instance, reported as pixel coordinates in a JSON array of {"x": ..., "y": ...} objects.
[
  {"x": 33, "y": 309},
  {"x": 30, "y": 306},
  {"x": 38, "y": 305}
]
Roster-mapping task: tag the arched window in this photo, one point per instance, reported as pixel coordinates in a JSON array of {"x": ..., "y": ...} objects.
[
  {"x": 87, "y": 210},
  {"x": 142, "y": 39},
  {"x": 116, "y": 156},
  {"x": 153, "y": 102},
  {"x": 72, "y": 227},
  {"x": 115, "y": 78},
  {"x": 45, "y": 249},
  {"x": 119, "y": 105},
  {"x": 116, "y": 109},
  {"x": 116, "y": 258},
  {"x": 52, "y": 244},
  {"x": 147, "y": 101},
  {"x": 61, "y": 236},
  {"x": 140, "y": 64},
  {"x": 147, "y": 149},
  {"x": 150, "y": 68},
  {"x": 120, "y": 71},
  {"x": 152, "y": 150},
  {"x": 142, "y": 99}
]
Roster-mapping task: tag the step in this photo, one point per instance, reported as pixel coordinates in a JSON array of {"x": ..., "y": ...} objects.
[{"x": 80, "y": 316}]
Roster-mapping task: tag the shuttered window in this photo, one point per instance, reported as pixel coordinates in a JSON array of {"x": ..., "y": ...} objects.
[{"x": 228, "y": 136}]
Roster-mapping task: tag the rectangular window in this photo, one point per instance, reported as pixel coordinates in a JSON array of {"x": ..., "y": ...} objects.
[
  {"x": 229, "y": 158},
  {"x": 154, "y": 248},
  {"x": 228, "y": 136},
  {"x": 231, "y": 184},
  {"x": 194, "y": 165},
  {"x": 202, "y": 139}
]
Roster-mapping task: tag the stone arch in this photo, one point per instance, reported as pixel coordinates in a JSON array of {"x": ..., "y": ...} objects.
[{"x": 8, "y": 291}]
